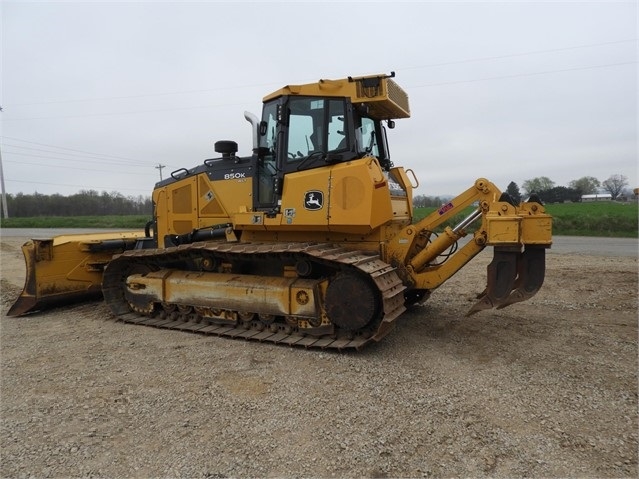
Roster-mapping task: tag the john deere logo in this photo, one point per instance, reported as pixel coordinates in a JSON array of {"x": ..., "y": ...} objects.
[{"x": 313, "y": 200}]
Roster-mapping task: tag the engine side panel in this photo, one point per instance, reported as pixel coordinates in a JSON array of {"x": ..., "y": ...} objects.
[{"x": 202, "y": 199}]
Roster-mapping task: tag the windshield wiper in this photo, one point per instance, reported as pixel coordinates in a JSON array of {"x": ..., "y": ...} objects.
[{"x": 314, "y": 155}]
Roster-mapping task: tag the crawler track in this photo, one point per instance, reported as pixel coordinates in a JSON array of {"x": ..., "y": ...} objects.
[{"x": 388, "y": 289}]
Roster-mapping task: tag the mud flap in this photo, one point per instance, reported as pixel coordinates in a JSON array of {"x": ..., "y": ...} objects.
[{"x": 513, "y": 276}]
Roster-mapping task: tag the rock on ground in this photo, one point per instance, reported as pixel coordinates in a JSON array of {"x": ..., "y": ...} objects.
[{"x": 546, "y": 388}]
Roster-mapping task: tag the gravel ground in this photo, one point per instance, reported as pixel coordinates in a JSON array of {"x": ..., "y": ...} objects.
[{"x": 546, "y": 388}]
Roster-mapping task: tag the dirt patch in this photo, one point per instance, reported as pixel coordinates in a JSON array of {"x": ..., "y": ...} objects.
[{"x": 546, "y": 388}]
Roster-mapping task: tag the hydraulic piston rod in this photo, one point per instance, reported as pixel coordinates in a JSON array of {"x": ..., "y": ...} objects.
[{"x": 443, "y": 241}]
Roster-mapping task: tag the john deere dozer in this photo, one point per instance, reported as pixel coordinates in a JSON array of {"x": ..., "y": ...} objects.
[{"x": 309, "y": 241}]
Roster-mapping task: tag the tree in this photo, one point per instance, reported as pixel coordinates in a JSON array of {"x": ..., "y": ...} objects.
[
  {"x": 615, "y": 185},
  {"x": 85, "y": 203},
  {"x": 536, "y": 185},
  {"x": 513, "y": 190},
  {"x": 419, "y": 201},
  {"x": 588, "y": 185},
  {"x": 559, "y": 194}
]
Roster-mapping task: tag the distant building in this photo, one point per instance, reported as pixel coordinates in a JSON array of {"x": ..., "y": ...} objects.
[{"x": 597, "y": 197}]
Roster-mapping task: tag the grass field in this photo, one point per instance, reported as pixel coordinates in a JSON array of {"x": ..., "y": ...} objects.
[
  {"x": 595, "y": 219},
  {"x": 582, "y": 219},
  {"x": 115, "y": 221},
  {"x": 571, "y": 219}
]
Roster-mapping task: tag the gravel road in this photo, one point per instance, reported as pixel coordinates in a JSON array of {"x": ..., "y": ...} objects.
[{"x": 546, "y": 388}]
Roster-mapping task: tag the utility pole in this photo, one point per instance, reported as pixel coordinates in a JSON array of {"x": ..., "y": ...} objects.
[
  {"x": 5, "y": 211},
  {"x": 159, "y": 167}
]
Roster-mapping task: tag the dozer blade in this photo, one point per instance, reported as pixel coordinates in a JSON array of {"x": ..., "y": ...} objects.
[
  {"x": 67, "y": 268},
  {"x": 512, "y": 277}
]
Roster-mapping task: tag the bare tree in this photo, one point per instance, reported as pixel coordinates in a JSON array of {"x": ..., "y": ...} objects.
[{"x": 615, "y": 185}]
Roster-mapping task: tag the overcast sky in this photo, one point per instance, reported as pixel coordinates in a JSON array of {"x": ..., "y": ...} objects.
[{"x": 96, "y": 95}]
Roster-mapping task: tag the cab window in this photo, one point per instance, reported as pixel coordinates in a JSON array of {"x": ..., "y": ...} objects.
[
  {"x": 268, "y": 139},
  {"x": 302, "y": 139},
  {"x": 336, "y": 126},
  {"x": 366, "y": 138},
  {"x": 315, "y": 126}
]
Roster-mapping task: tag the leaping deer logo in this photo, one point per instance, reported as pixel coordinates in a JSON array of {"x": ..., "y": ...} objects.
[{"x": 313, "y": 200}]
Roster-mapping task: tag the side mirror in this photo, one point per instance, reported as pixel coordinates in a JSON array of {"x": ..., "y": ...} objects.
[
  {"x": 391, "y": 124},
  {"x": 263, "y": 127}
]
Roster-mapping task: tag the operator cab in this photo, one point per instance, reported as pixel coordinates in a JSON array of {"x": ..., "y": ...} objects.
[{"x": 298, "y": 133}]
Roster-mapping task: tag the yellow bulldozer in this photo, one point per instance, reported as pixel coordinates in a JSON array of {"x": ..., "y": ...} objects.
[{"x": 309, "y": 241}]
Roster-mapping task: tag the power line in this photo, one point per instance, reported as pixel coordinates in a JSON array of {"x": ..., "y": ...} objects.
[
  {"x": 74, "y": 168},
  {"x": 513, "y": 55},
  {"x": 72, "y": 149},
  {"x": 208, "y": 90},
  {"x": 501, "y": 77},
  {"x": 546, "y": 72},
  {"x": 134, "y": 112},
  {"x": 73, "y": 160},
  {"x": 145, "y": 95},
  {"x": 80, "y": 155}
]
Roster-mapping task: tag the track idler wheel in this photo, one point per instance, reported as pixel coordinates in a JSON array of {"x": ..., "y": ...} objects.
[{"x": 351, "y": 301}]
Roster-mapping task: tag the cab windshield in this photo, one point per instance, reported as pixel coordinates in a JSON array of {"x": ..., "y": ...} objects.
[
  {"x": 304, "y": 132},
  {"x": 315, "y": 125}
]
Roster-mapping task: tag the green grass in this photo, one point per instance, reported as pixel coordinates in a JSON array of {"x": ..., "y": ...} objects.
[
  {"x": 604, "y": 218},
  {"x": 111, "y": 222},
  {"x": 569, "y": 219}
]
